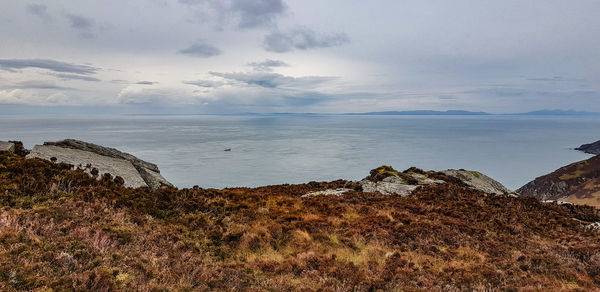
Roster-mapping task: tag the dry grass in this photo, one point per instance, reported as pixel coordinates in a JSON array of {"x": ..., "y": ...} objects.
[{"x": 63, "y": 231}]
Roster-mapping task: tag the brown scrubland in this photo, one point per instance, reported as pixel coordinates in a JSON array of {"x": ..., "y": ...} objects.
[{"x": 62, "y": 230}]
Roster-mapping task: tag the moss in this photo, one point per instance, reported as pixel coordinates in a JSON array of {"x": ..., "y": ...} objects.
[{"x": 477, "y": 174}]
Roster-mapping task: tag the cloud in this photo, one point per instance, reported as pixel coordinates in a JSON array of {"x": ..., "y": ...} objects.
[
  {"x": 19, "y": 96},
  {"x": 205, "y": 83},
  {"x": 36, "y": 84},
  {"x": 65, "y": 76},
  {"x": 52, "y": 65},
  {"x": 267, "y": 65},
  {"x": 244, "y": 13},
  {"x": 273, "y": 80},
  {"x": 39, "y": 10},
  {"x": 254, "y": 13},
  {"x": 81, "y": 23},
  {"x": 146, "y": 83},
  {"x": 301, "y": 39},
  {"x": 161, "y": 96},
  {"x": 201, "y": 49}
]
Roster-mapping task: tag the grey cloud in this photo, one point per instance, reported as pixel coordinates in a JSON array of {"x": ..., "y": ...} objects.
[
  {"x": 247, "y": 13},
  {"x": 80, "y": 22},
  {"x": 39, "y": 10},
  {"x": 556, "y": 79},
  {"x": 35, "y": 84},
  {"x": 255, "y": 13},
  {"x": 201, "y": 49},
  {"x": 65, "y": 76},
  {"x": 52, "y": 65},
  {"x": 84, "y": 25},
  {"x": 301, "y": 39},
  {"x": 267, "y": 65},
  {"x": 273, "y": 80},
  {"x": 146, "y": 83},
  {"x": 205, "y": 83}
]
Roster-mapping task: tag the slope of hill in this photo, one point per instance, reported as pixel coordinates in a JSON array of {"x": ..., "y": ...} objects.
[
  {"x": 63, "y": 230},
  {"x": 592, "y": 148},
  {"x": 577, "y": 183}
]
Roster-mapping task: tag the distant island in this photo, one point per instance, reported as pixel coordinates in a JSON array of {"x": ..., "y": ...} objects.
[
  {"x": 544, "y": 112},
  {"x": 422, "y": 113}
]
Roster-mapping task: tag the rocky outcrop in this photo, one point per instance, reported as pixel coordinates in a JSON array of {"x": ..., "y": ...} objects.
[
  {"x": 134, "y": 171},
  {"x": 578, "y": 183},
  {"x": 328, "y": 192},
  {"x": 7, "y": 146},
  {"x": 388, "y": 181},
  {"x": 478, "y": 181},
  {"x": 592, "y": 148}
]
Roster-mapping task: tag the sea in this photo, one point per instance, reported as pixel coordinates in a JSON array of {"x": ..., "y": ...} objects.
[{"x": 292, "y": 149}]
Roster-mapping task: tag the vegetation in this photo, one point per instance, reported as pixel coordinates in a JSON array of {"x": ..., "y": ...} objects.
[{"x": 61, "y": 229}]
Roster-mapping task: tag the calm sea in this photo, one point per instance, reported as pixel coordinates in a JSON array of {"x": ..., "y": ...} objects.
[{"x": 277, "y": 149}]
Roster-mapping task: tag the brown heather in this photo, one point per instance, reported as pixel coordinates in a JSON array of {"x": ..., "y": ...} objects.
[{"x": 62, "y": 230}]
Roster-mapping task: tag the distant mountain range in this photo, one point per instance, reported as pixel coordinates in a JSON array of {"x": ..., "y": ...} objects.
[
  {"x": 422, "y": 113},
  {"x": 470, "y": 113}
]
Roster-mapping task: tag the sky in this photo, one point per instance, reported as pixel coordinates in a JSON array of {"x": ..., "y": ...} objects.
[{"x": 334, "y": 56}]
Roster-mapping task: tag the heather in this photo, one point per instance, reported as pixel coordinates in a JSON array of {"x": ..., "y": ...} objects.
[{"x": 61, "y": 229}]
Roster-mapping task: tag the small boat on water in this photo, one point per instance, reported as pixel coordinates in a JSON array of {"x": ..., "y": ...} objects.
[{"x": 228, "y": 149}]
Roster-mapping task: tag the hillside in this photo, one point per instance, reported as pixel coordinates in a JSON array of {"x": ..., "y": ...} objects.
[
  {"x": 591, "y": 148},
  {"x": 64, "y": 230},
  {"x": 577, "y": 183}
]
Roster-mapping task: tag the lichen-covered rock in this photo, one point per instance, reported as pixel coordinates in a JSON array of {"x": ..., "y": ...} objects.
[
  {"x": 7, "y": 146},
  {"x": 391, "y": 185},
  {"x": 478, "y": 181},
  {"x": 387, "y": 180},
  {"x": 134, "y": 171},
  {"x": 327, "y": 192}
]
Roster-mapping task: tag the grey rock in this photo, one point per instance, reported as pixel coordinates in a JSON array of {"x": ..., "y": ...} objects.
[
  {"x": 406, "y": 182},
  {"x": 134, "y": 171},
  {"x": 104, "y": 151},
  {"x": 391, "y": 185},
  {"x": 328, "y": 192},
  {"x": 478, "y": 181},
  {"x": 7, "y": 146},
  {"x": 80, "y": 159}
]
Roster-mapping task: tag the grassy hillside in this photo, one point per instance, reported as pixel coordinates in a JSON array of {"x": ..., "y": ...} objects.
[
  {"x": 62, "y": 230},
  {"x": 578, "y": 183}
]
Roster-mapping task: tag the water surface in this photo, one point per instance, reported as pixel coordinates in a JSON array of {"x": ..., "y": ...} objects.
[{"x": 276, "y": 149}]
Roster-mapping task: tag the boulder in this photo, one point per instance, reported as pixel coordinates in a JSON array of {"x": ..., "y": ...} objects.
[
  {"x": 328, "y": 192},
  {"x": 134, "y": 171},
  {"x": 388, "y": 186},
  {"x": 7, "y": 146},
  {"x": 478, "y": 181}
]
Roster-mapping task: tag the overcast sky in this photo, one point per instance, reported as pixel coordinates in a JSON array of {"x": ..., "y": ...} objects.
[{"x": 231, "y": 56}]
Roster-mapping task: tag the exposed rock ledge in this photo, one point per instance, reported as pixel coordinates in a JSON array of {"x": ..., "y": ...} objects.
[
  {"x": 7, "y": 146},
  {"x": 388, "y": 181},
  {"x": 134, "y": 171}
]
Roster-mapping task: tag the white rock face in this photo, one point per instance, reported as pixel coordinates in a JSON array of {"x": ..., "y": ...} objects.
[
  {"x": 134, "y": 171},
  {"x": 478, "y": 181},
  {"x": 80, "y": 159},
  {"x": 7, "y": 146}
]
